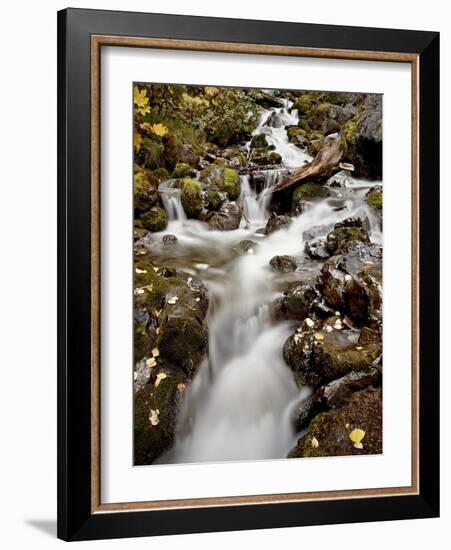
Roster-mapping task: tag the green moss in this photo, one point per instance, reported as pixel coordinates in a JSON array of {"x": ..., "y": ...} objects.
[
  {"x": 374, "y": 199},
  {"x": 231, "y": 183},
  {"x": 181, "y": 170},
  {"x": 191, "y": 196},
  {"x": 154, "y": 219},
  {"x": 161, "y": 173},
  {"x": 294, "y": 131},
  {"x": 349, "y": 130},
  {"x": 215, "y": 198},
  {"x": 309, "y": 191},
  {"x": 275, "y": 158},
  {"x": 259, "y": 141}
]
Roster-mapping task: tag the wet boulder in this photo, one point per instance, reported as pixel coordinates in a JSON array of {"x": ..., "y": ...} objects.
[
  {"x": 246, "y": 246},
  {"x": 316, "y": 249},
  {"x": 283, "y": 264},
  {"x": 227, "y": 218},
  {"x": 156, "y": 407},
  {"x": 276, "y": 222},
  {"x": 343, "y": 233},
  {"x": 355, "y": 428},
  {"x": 191, "y": 196},
  {"x": 296, "y": 302},
  {"x": 172, "y": 308},
  {"x": 322, "y": 355},
  {"x": 363, "y": 297},
  {"x": 155, "y": 219},
  {"x": 340, "y": 179},
  {"x": 169, "y": 240}
]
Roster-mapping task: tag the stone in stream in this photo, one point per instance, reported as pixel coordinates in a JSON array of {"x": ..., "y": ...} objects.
[
  {"x": 296, "y": 302},
  {"x": 246, "y": 246},
  {"x": 169, "y": 239},
  {"x": 283, "y": 264},
  {"x": 340, "y": 179},
  {"x": 276, "y": 222},
  {"x": 344, "y": 232},
  {"x": 227, "y": 218},
  {"x": 331, "y": 433}
]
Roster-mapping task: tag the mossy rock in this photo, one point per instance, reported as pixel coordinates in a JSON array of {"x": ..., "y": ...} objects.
[
  {"x": 259, "y": 141},
  {"x": 145, "y": 191},
  {"x": 329, "y": 432},
  {"x": 319, "y": 356},
  {"x": 161, "y": 173},
  {"x": 155, "y": 219},
  {"x": 349, "y": 130},
  {"x": 182, "y": 338},
  {"x": 215, "y": 198},
  {"x": 337, "y": 239},
  {"x": 294, "y": 131},
  {"x": 307, "y": 192},
  {"x": 305, "y": 103},
  {"x": 222, "y": 178},
  {"x": 231, "y": 183},
  {"x": 374, "y": 198},
  {"x": 178, "y": 308},
  {"x": 182, "y": 170},
  {"x": 155, "y": 414},
  {"x": 191, "y": 196}
]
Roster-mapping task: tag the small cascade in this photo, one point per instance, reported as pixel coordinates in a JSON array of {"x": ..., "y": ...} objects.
[{"x": 172, "y": 201}]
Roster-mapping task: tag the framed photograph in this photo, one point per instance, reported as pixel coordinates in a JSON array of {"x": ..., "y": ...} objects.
[{"x": 248, "y": 274}]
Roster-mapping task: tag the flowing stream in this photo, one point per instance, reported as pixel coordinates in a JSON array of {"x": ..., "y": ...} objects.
[{"x": 240, "y": 402}]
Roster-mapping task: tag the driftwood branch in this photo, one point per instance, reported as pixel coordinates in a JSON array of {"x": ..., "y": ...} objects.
[{"x": 327, "y": 159}]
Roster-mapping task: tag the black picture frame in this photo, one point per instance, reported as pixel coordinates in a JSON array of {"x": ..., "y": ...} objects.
[{"x": 76, "y": 520}]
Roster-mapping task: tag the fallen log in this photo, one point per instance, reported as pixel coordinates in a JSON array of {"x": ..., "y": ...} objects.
[{"x": 327, "y": 159}]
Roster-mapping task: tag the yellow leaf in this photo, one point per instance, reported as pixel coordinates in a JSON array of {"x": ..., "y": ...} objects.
[
  {"x": 356, "y": 437},
  {"x": 181, "y": 386},
  {"x": 160, "y": 376},
  {"x": 141, "y": 100},
  {"x": 319, "y": 336},
  {"x": 137, "y": 140},
  {"x": 212, "y": 90},
  {"x": 154, "y": 417},
  {"x": 159, "y": 129},
  {"x": 137, "y": 270},
  {"x": 151, "y": 362},
  {"x": 155, "y": 352},
  {"x": 315, "y": 443}
]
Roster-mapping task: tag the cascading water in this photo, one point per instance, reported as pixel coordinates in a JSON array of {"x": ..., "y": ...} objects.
[
  {"x": 171, "y": 198},
  {"x": 240, "y": 402}
]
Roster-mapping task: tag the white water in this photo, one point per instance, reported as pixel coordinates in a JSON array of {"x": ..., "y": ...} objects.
[{"x": 239, "y": 404}]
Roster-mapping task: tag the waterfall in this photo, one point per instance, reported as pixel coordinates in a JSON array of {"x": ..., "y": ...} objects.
[
  {"x": 240, "y": 402},
  {"x": 172, "y": 202}
]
